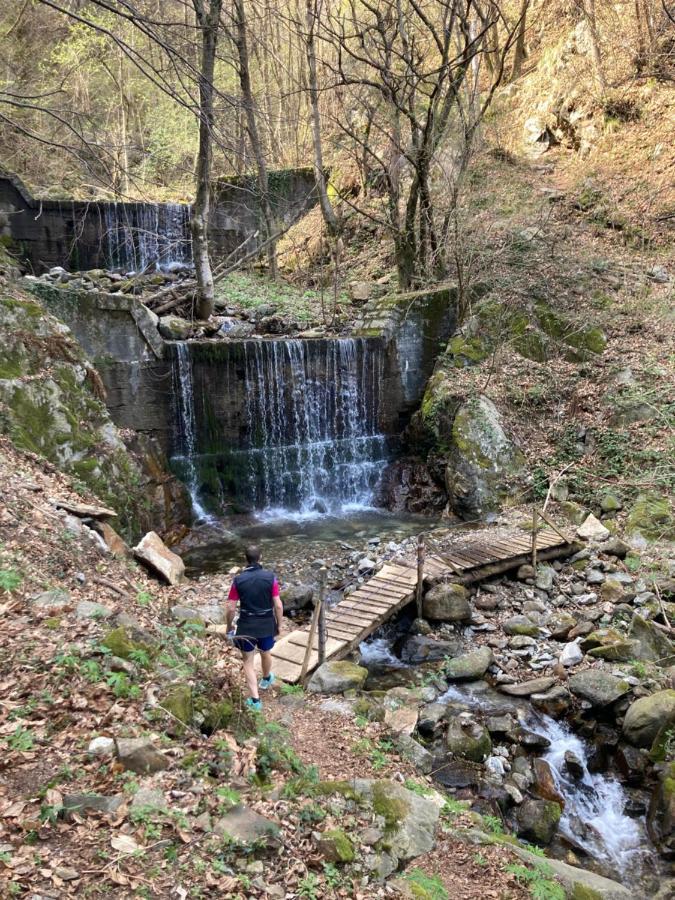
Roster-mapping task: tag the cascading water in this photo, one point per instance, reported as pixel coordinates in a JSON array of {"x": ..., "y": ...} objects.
[
  {"x": 185, "y": 420},
  {"x": 140, "y": 236},
  {"x": 314, "y": 445}
]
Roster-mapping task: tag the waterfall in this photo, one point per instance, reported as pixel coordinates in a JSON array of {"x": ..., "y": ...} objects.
[
  {"x": 140, "y": 236},
  {"x": 314, "y": 444},
  {"x": 185, "y": 420}
]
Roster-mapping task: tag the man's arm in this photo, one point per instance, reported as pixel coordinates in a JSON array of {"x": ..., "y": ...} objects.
[
  {"x": 278, "y": 605},
  {"x": 231, "y": 606}
]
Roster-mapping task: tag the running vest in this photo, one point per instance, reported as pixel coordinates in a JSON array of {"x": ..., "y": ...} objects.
[{"x": 256, "y": 616}]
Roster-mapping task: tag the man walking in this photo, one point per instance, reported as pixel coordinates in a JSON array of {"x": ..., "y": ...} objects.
[{"x": 260, "y": 614}]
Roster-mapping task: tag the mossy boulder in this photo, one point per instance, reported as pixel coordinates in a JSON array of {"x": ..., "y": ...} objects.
[
  {"x": 578, "y": 342},
  {"x": 485, "y": 469},
  {"x": 337, "y": 677},
  {"x": 51, "y": 403},
  {"x": 469, "y": 666},
  {"x": 652, "y": 517},
  {"x": 468, "y": 740},
  {"x": 600, "y": 688},
  {"x": 335, "y": 846},
  {"x": 538, "y": 820},
  {"x": 447, "y": 603},
  {"x": 119, "y": 643},
  {"x": 178, "y": 701},
  {"x": 467, "y": 351},
  {"x": 647, "y": 716},
  {"x": 651, "y": 644}
]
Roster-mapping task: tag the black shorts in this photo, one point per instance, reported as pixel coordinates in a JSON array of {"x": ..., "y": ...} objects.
[{"x": 249, "y": 644}]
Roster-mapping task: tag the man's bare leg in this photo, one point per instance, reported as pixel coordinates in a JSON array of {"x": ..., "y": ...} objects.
[
  {"x": 266, "y": 662},
  {"x": 250, "y": 674}
]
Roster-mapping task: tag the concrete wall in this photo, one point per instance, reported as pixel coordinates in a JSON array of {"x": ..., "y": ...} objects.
[{"x": 97, "y": 234}]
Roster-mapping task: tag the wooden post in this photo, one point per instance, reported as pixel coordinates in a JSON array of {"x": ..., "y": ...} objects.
[
  {"x": 420, "y": 573},
  {"x": 310, "y": 641},
  {"x": 322, "y": 617},
  {"x": 534, "y": 537}
]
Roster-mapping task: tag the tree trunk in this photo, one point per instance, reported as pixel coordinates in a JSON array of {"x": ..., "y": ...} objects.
[
  {"x": 253, "y": 134},
  {"x": 329, "y": 215},
  {"x": 208, "y": 21},
  {"x": 591, "y": 19},
  {"x": 519, "y": 55}
]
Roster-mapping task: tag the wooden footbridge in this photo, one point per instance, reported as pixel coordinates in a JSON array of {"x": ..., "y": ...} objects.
[{"x": 362, "y": 612}]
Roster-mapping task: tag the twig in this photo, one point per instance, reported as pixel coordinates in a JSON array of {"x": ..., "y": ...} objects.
[
  {"x": 661, "y": 606},
  {"x": 104, "y": 582},
  {"x": 553, "y": 482}
]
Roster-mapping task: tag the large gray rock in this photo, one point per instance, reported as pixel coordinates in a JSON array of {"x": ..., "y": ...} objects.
[
  {"x": 86, "y": 609},
  {"x": 650, "y": 643},
  {"x": 520, "y": 625},
  {"x": 447, "y": 603},
  {"x": 538, "y": 820},
  {"x": 174, "y": 328},
  {"x": 469, "y": 666},
  {"x": 337, "y": 677},
  {"x": 647, "y": 716},
  {"x": 468, "y": 739},
  {"x": 206, "y": 615},
  {"x": 245, "y": 826},
  {"x": 139, "y": 755},
  {"x": 410, "y": 820},
  {"x": 578, "y": 882},
  {"x": 152, "y": 551},
  {"x": 419, "y": 649},
  {"x": 206, "y": 543},
  {"x": 81, "y": 804},
  {"x": 51, "y": 601},
  {"x": 592, "y": 529},
  {"x": 598, "y": 687},
  {"x": 296, "y": 596},
  {"x": 485, "y": 469},
  {"x": 527, "y": 688}
]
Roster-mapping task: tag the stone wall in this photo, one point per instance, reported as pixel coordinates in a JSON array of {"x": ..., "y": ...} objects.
[{"x": 83, "y": 235}]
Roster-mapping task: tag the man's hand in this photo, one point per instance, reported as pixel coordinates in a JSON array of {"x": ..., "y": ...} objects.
[{"x": 278, "y": 613}]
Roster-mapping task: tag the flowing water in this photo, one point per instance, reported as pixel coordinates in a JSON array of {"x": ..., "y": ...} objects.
[
  {"x": 142, "y": 236},
  {"x": 185, "y": 420}
]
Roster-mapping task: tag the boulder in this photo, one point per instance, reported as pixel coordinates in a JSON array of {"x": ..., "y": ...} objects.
[
  {"x": 600, "y": 688},
  {"x": 153, "y": 552},
  {"x": 244, "y": 826},
  {"x": 554, "y": 702},
  {"x": 650, "y": 643},
  {"x": 447, "y": 603},
  {"x": 520, "y": 625},
  {"x": 296, "y": 596},
  {"x": 101, "y": 746},
  {"x": 401, "y": 719},
  {"x": 652, "y": 518},
  {"x": 410, "y": 820},
  {"x": 81, "y": 804},
  {"x": 337, "y": 677},
  {"x": 560, "y": 624},
  {"x": 86, "y": 609},
  {"x": 661, "y": 815},
  {"x": 360, "y": 291},
  {"x": 419, "y": 649},
  {"x": 178, "y": 701},
  {"x": 208, "y": 542},
  {"x": 544, "y": 782},
  {"x": 468, "y": 739},
  {"x": 537, "y": 820},
  {"x": 616, "y": 547},
  {"x": 469, "y": 666},
  {"x": 415, "y": 753},
  {"x": 524, "y": 572},
  {"x": 646, "y": 716},
  {"x": 527, "y": 688},
  {"x": 612, "y": 590},
  {"x": 204, "y": 615},
  {"x": 579, "y": 884},
  {"x": 174, "y": 328},
  {"x": 335, "y": 846},
  {"x": 545, "y": 578},
  {"x": 571, "y": 654},
  {"x": 51, "y": 601},
  {"x": 485, "y": 469},
  {"x": 140, "y": 755},
  {"x": 592, "y": 529},
  {"x": 149, "y": 798},
  {"x": 113, "y": 541}
]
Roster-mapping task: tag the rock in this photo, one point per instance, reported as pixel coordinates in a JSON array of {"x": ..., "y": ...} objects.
[
  {"x": 115, "y": 544},
  {"x": 140, "y": 756},
  {"x": 410, "y": 820},
  {"x": 573, "y": 512},
  {"x": 545, "y": 578},
  {"x": 650, "y": 643},
  {"x": 616, "y": 547},
  {"x": 208, "y": 542},
  {"x": 296, "y": 596},
  {"x": 156, "y": 555},
  {"x": 524, "y": 572},
  {"x": 85, "y": 510},
  {"x": 419, "y": 649},
  {"x": 413, "y": 751},
  {"x": 447, "y": 603},
  {"x": 632, "y": 763},
  {"x": 204, "y": 615},
  {"x": 555, "y": 702},
  {"x": 85, "y": 609},
  {"x": 101, "y": 746},
  {"x": 537, "y": 820},
  {"x": 469, "y": 666},
  {"x": 335, "y": 847},
  {"x": 240, "y": 331},
  {"x": 526, "y": 688},
  {"x": 179, "y": 702},
  {"x": 468, "y": 739},
  {"x": 81, "y": 804},
  {"x": 174, "y": 328},
  {"x": 571, "y": 654},
  {"x": 431, "y": 718},
  {"x": 652, "y": 518},
  {"x": 647, "y": 715},
  {"x": 244, "y": 826},
  {"x": 661, "y": 815},
  {"x": 592, "y": 529},
  {"x": 598, "y": 687},
  {"x": 520, "y": 625},
  {"x": 401, "y": 720},
  {"x": 485, "y": 468},
  {"x": 594, "y": 576},
  {"x": 544, "y": 783},
  {"x": 337, "y": 677},
  {"x": 149, "y": 798},
  {"x": 119, "y": 643},
  {"x": 560, "y": 624},
  {"x": 579, "y": 884},
  {"x": 612, "y": 590},
  {"x": 573, "y": 765},
  {"x": 495, "y": 766},
  {"x": 360, "y": 291},
  {"x": 51, "y": 601},
  {"x": 610, "y": 503}
]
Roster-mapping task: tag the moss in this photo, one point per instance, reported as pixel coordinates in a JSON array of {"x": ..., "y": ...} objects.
[
  {"x": 217, "y": 715},
  {"x": 392, "y": 809},
  {"x": 341, "y": 846},
  {"x": 53, "y": 623},
  {"x": 583, "y": 892},
  {"x": 652, "y": 516},
  {"x": 467, "y": 351},
  {"x": 120, "y": 644},
  {"x": 344, "y": 788},
  {"x": 178, "y": 702},
  {"x": 532, "y": 345}
]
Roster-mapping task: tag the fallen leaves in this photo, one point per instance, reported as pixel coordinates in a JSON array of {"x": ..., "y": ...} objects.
[{"x": 124, "y": 843}]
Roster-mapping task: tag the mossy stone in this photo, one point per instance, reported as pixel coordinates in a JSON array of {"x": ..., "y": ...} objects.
[
  {"x": 467, "y": 351},
  {"x": 119, "y": 643},
  {"x": 336, "y": 846},
  {"x": 393, "y": 809},
  {"x": 573, "y": 512},
  {"x": 217, "y": 715},
  {"x": 178, "y": 702},
  {"x": 652, "y": 516},
  {"x": 582, "y": 892}
]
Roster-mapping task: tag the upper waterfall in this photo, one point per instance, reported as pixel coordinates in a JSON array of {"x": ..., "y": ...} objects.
[
  {"x": 139, "y": 236},
  {"x": 282, "y": 426}
]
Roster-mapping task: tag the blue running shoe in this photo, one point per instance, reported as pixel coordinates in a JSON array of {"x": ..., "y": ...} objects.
[
  {"x": 254, "y": 704},
  {"x": 267, "y": 682}
]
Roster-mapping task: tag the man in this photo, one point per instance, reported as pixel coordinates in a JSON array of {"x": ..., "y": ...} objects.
[{"x": 261, "y": 610}]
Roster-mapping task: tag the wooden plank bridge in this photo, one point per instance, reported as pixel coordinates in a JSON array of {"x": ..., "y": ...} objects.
[{"x": 362, "y": 612}]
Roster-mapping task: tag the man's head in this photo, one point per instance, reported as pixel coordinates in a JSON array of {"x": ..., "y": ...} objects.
[{"x": 252, "y": 554}]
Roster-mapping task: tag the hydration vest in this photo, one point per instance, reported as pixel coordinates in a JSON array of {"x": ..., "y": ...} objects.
[{"x": 256, "y": 615}]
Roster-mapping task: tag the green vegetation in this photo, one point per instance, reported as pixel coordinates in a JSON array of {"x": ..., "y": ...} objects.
[
  {"x": 540, "y": 881},
  {"x": 250, "y": 292},
  {"x": 425, "y": 887}
]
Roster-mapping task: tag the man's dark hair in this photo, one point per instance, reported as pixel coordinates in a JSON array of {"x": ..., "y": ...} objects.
[{"x": 252, "y": 554}]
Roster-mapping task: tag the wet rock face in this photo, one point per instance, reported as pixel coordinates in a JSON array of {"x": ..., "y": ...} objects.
[
  {"x": 485, "y": 468},
  {"x": 409, "y": 486}
]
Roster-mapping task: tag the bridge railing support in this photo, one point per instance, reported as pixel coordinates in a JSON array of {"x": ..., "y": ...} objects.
[{"x": 420, "y": 574}]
